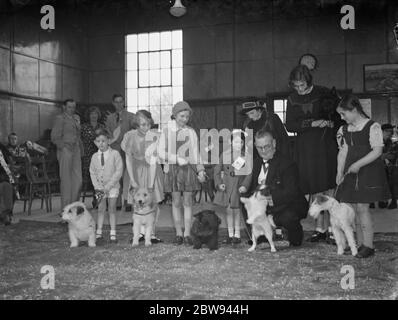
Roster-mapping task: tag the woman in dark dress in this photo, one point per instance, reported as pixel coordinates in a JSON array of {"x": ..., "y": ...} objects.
[
  {"x": 93, "y": 117},
  {"x": 311, "y": 113}
]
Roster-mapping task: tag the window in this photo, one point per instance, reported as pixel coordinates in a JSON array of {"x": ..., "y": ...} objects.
[
  {"x": 280, "y": 106},
  {"x": 154, "y": 77}
]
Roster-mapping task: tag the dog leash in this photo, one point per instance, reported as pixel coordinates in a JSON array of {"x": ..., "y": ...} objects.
[{"x": 342, "y": 180}]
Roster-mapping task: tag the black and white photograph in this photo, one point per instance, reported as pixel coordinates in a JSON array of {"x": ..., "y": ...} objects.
[{"x": 198, "y": 155}]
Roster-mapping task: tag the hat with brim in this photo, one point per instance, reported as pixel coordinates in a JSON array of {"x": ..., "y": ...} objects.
[{"x": 251, "y": 105}]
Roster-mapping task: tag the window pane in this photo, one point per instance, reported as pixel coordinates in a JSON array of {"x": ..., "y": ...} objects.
[
  {"x": 155, "y": 112},
  {"x": 165, "y": 59},
  {"x": 177, "y": 39},
  {"x": 131, "y": 97},
  {"x": 132, "y": 109},
  {"x": 165, "y": 40},
  {"x": 280, "y": 115},
  {"x": 143, "y": 42},
  {"x": 165, "y": 114},
  {"x": 177, "y": 76},
  {"x": 154, "y": 96},
  {"x": 154, "y": 41},
  {"x": 132, "y": 79},
  {"x": 131, "y": 43},
  {"x": 143, "y": 61},
  {"x": 278, "y": 106},
  {"x": 166, "y": 96},
  {"x": 154, "y": 60},
  {"x": 154, "y": 77},
  {"x": 177, "y": 58},
  {"x": 165, "y": 77},
  {"x": 143, "y": 98},
  {"x": 144, "y": 108},
  {"x": 177, "y": 94},
  {"x": 144, "y": 78},
  {"x": 131, "y": 61}
]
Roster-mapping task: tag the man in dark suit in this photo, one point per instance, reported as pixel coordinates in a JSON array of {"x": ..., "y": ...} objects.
[{"x": 287, "y": 203}]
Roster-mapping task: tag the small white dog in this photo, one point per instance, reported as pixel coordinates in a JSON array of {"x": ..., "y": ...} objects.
[
  {"x": 342, "y": 219},
  {"x": 144, "y": 214},
  {"x": 80, "y": 223},
  {"x": 262, "y": 223}
]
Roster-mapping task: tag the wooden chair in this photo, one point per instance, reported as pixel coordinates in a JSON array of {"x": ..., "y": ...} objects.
[{"x": 53, "y": 179}]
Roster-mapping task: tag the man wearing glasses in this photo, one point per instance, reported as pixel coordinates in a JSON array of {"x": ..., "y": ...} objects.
[{"x": 287, "y": 203}]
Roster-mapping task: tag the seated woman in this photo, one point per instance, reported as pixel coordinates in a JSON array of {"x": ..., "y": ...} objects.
[{"x": 6, "y": 189}]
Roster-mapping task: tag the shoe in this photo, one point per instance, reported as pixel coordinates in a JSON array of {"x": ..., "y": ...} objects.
[
  {"x": 393, "y": 204},
  {"x": 99, "y": 241},
  {"x": 228, "y": 240},
  {"x": 372, "y": 205},
  {"x": 365, "y": 252},
  {"x": 142, "y": 238},
  {"x": 188, "y": 241},
  {"x": 317, "y": 237},
  {"x": 113, "y": 240},
  {"x": 330, "y": 239},
  {"x": 382, "y": 204},
  {"x": 118, "y": 208},
  {"x": 156, "y": 240},
  {"x": 278, "y": 237},
  {"x": 128, "y": 208},
  {"x": 236, "y": 240},
  {"x": 179, "y": 240}
]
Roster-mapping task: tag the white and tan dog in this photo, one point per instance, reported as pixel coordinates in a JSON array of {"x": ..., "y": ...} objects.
[
  {"x": 262, "y": 223},
  {"x": 144, "y": 215},
  {"x": 80, "y": 223},
  {"x": 342, "y": 219}
]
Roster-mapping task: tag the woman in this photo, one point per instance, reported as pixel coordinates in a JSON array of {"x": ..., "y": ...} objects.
[
  {"x": 311, "y": 113},
  {"x": 259, "y": 118},
  {"x": 93, "y": 116}
]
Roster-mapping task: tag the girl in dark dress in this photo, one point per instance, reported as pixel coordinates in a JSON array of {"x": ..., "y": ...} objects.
[
  {"x": 312, "y": 114},
  {"x": 360, "y": 173}
]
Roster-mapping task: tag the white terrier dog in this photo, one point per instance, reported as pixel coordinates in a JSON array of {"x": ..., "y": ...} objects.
[
  {"x": 342, "y": 219},
  {"x": 262, "y": 224},
  {"x": 80, "y": 223}
]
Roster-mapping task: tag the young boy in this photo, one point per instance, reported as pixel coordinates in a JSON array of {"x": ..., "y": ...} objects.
[{"x": 106, "y": 169}]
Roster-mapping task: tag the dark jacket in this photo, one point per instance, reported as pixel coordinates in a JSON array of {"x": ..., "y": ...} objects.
[{"x": 283, "y": 183}]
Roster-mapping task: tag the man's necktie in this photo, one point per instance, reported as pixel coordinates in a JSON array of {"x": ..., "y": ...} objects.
[
  {"x": 102, "y": 159},
  {"x": 265, "y": 167}
]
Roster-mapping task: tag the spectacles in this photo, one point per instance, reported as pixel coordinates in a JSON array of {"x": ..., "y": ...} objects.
[{"x": 264, "y": 148}]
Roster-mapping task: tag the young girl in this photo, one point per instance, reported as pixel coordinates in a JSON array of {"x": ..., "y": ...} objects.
[
  {"x": 228, "y": 180},
  {"x": 106, "y": 169},
  {"x": 183, "y": 172},
  {"x": 143, "y": 173},
  {"x": 361, "y": 178}
]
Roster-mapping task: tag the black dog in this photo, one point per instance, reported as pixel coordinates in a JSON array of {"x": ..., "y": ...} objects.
[
  {"x": 5, "y": 216},
  {"x": 205, "y": 229}
]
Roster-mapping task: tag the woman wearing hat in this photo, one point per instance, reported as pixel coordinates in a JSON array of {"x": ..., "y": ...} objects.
[
  {"x": 179, "y": 150},
  {"x": 92, "y": 116},
  {"x": 259, "y": 118}
]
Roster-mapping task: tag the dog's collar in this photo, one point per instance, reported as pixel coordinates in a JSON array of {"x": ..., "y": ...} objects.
[{"x": 150, "y": 210}]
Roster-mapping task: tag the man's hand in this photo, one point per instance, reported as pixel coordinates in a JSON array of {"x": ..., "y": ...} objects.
[
  {"x": 181, "y": 161},
  {"x": 317, "y": 123},
  {"x": 242, "y": 189},
  {"x": 222, "y": 187},
  {"x": 202, "y": 176}
]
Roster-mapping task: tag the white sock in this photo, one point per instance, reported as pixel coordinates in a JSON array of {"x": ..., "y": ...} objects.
[
  {"x": 237, "y": 233},
  {"x": 113, "y": 233},
  {"x": 99, "y": 233},
  {"x": 230, "y": 232}
]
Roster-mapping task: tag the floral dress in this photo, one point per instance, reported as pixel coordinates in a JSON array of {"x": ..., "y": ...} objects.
[{"x": 88, "y": 137}]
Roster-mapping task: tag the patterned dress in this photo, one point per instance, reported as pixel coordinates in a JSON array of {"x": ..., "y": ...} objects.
[{"x": 88, "y": 137}]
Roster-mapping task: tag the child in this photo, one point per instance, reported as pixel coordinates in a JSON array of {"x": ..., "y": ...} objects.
[
  {"x": 228, "y": 185},
  {"x": 106, "y": 169},
  {"x": 360, "y": 173},
  {"x": 143, "y": 173},
  {"x": 183, "y": 173}
]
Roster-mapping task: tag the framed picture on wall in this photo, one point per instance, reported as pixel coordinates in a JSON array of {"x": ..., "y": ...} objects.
[{"x": 380, "y": 78}]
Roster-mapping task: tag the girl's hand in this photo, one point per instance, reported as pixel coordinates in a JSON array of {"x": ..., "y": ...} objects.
[
  {"x": 242, "y": 189},
  {"x": 354, "y": 168},
  {"x": 317, "y": 123},
  {"x": 222, "y": 187},
  {"x": 181, "y": 161}
]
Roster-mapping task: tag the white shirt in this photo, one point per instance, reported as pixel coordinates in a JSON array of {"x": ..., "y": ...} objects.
[
  {"x": 106, "y": 155},
  {"x": 263, "y": 175}
]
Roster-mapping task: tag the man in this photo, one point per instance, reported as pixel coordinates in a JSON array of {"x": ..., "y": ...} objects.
[
  {"x": 66, "y": 136},
  {"x": 118, "y": 123},
  {"x": 15, "y": 150},
  {"x": 390, "y": 153},
  {"x": 6, "y": 189},
  {"x": 281, "y": 176}
]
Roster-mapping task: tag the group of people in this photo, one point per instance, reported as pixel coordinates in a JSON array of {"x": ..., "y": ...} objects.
[{"x": 338, "y": 151}]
